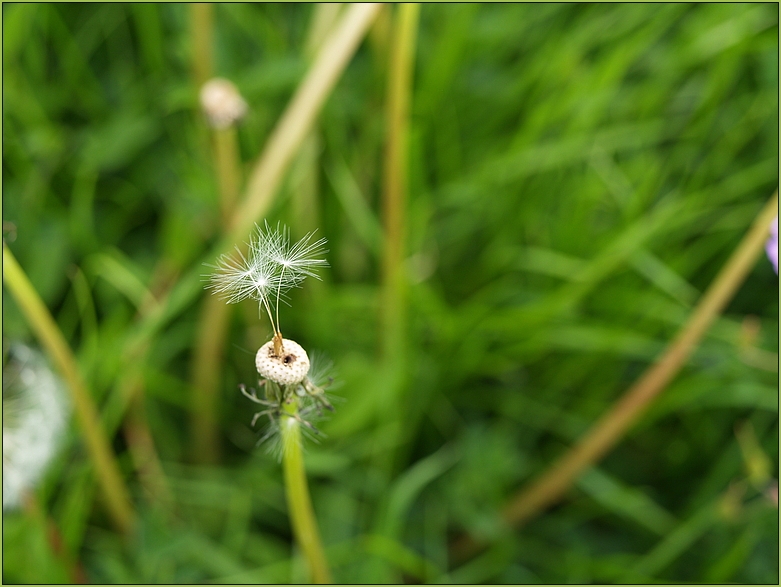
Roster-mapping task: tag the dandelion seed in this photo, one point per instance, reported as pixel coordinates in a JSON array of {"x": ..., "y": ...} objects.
[
  {"x": 270, "y": 269},
  {"x": 301, "y": 259}
]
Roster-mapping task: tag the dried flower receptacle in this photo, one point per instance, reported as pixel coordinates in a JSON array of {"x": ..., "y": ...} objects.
[{"x": 284, "y": 362}]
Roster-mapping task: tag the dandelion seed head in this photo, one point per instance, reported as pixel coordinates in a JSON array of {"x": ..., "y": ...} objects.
[
  {"x": 272, "y": 266},
  {"x": 289, "y": 368}
]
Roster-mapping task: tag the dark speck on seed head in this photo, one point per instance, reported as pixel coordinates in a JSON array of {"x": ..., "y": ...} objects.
[{"x": 289, "y": 359}]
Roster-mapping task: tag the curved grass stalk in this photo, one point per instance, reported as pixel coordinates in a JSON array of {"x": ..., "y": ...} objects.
[
  {"x": 299, "y": 503},
  {"x": 305, "y": 200},
  {"x": 549, "y": 487},
  {"x": 269, "y": 169},
  {"x": 299, "y": 116},
  {"x": 103, "y": 458},
  {"x": 213, "y": 322}
]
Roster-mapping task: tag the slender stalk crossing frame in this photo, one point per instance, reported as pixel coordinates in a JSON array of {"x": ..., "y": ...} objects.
[
  {"x": 103, "y": 459},
  {"x": 202, "y": 19},
  {"x": 394, "y": 194},
  {"x": 299, "y": 116},
  {"x": 549, "y": 487}
]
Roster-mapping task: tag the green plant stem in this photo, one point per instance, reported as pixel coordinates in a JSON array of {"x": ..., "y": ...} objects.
[
  {"x": 142, "y": 449},
  {"x": 549, "y": 487},
  {"x": 214, "y": 315},
  {"x": 394, "y": 193},
  {"x": 201, "y": 18},
  {"x": 324, "y": 16},
  {"x": 207, "y": 356},
  {"x": 226, "y": 158},
  {"x": 103, "y": 459},
  {"x": 300, "y": 505}
]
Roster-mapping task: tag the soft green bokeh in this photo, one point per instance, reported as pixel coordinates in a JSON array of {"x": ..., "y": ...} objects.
[{"x": 578, "y": 175}]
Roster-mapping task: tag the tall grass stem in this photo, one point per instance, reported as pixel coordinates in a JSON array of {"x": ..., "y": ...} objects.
[
  {"x": 324, "y": 16},
  {"x": 209, "y": 345},
  {"x": 300, "y": 115},
  {"x": 394, "y": 194},
  {"x": 549, "y": 487},
  {"x": 228, "y": 165},
  {"x": 202, "y": 23},
  {"x": 614, "y": 424},
  {"x": 305, "y": 192},
  {"x": 213, "y": 322},
  {"x": 103, "y": 459}
]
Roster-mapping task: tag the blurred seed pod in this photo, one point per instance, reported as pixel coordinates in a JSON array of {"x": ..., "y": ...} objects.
[
  {"x": 222, "y": 103},
  {"x": 35, "y": 413}
]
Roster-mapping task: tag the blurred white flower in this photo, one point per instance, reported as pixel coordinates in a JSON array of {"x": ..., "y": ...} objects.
[
  {"x": 271, "y": 267},
  {"x": 35, "y": 413},
  {"x": 222, "y": 103}
]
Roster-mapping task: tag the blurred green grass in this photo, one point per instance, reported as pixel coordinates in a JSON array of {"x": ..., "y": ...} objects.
[{"x": 578, "y": 175}]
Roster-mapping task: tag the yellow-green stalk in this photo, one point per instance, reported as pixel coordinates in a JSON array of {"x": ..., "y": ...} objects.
[
  {"x": 98, "y": 447},
  {"x": 549, "y": 487},
  {"x": 394, "y": 195},
  {"x": 299, "y": 504},
  {"x": 300, "y": 114},
  {"x": 201, "y": 18}
]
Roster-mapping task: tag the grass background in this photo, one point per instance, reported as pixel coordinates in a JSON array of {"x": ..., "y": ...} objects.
[{"x": 577, "y": 176}]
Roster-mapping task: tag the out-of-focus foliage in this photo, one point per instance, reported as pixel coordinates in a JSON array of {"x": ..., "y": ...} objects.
[{"x": 578, "y": 175}]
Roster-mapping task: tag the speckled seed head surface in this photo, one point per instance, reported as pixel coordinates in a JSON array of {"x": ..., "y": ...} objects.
[{"x": 288, "y": 368}]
